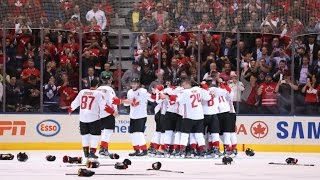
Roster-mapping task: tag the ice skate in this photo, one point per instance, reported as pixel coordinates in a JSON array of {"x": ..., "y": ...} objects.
[
  {"x": 135, "y": 153},
  {"x": 104, "y": 153}
]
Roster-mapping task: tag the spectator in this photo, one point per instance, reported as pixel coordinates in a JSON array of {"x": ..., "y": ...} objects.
[
  {"x": 108, "y": 10},
  {"x": 32, "y": 93},
  {"x": 147, "y": 24},
  {"x": 257, "y": 49},
  {"x": 130, "y": 74},
  {"x": 133, "y": 18},
  {"x": 15, "y": 92},
  {"x": 311, "y": 90},
  {"x": 225, "y": 74},
  {"x": 298, "y": 56},
  {"x": 316, "y": 68},
  {"x": 107, "y": 71},
  {"x": 50, "y": 99},
  {"x": 86, "y": 82},
  {"x": 222, "y": 25},
  {"x": 282, "y": 57},
  {"x": 303, "y": 71},
  {"x": 49, "y": 71},
  {"x": 77, "y": 13},
  {"x": 281, "y": 70},
  {"x": 147, "y": 5},
  {"x": 182, "y": 58},
  {"x": 22, "y": 24},
  {"x": 271, "y": 23},
  {"x": 268, "y": 95},
  {"x": 67, "y": 93},
  {"x": 145, "y": 59},
  {"x": 312, "y": 49},
  {"x": 99, "y": 15},
  {"x": 31, "y": 70},
  {"x": 193, "y": 47},
  {"x": 208, "y": 46},
  {"x": 236, "y": 86},
  {"x": 73, "y": 23},
  {"x": 213, "y": 69},
  {"x": 160, "y": 15},
  {"x": 93, "y": 27},
  {"x": 205, "y": 25},
  {"x": 284, "y": 88},
  {"x": 228, "y": 50},
  {"x": 249, "y": 97},
  {"x": 147, "y": 76},
  {"x": 158, "y": 81}
]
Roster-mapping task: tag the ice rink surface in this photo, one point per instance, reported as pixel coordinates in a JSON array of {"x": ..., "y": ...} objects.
[{"x": 243, "y": 168}]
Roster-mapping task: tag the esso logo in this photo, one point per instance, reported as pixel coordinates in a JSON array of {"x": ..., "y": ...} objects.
[{"x": 48, "y": 128}]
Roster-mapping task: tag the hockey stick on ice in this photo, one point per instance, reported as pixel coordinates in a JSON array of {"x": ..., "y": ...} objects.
[
  {"x": 83, "y": 165},
  {"x": 274, "y": 163},
  {"x": 74, "y": 174},
  {"x": 165, "y": 171}
]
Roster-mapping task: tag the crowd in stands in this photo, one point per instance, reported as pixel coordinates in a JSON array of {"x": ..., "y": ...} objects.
[{"x": 274, "y": 66}]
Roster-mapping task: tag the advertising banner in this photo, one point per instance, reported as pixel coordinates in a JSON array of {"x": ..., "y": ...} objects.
[{"x": 268, "y": 132}]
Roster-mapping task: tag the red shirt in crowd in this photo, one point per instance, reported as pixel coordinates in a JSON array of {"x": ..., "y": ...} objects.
[
  {"x": 22, "y": 40},
  {"x": 107, "y": 8},
  {"x": 205, "y": 26},
  {"x": 268, "y": 96},
  {"x": 147, "y": 5},
  {"x": 28, "y": 72},
  {"x": 312, "y": 95},
  {"x": 252, "y": 96},
  {"x": 67, "y": 95}
]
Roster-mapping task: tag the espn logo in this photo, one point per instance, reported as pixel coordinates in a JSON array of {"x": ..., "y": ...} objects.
[{"x": 13, "y": 127}]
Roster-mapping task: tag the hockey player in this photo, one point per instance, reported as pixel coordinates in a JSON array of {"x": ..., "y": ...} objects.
[
  {"x": 92, "y": 104},
  {"x": 226, "y": 123},
  {"x": 172, "y": 114},
  {"x": 137, "y": 99},
  {"x": 108, "y": 117},
  {"x": 211, "y": 121},
  {"x": 159, "y": 110},
  {"x": 190, "y": 99}
]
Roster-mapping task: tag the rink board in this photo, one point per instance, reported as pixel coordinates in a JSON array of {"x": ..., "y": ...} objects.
[{"x": 61, "y": 132}]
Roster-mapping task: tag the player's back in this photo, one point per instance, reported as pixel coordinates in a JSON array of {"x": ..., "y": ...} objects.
[
  {"x": 223, "y": 99},
  {"x": 171, "y": 105},
  {"x": 190, "y": 100},
  {"x": 109, "y": 94},
  {"x": 211, "y": 106},
  {"x": 91, "y": 104}
]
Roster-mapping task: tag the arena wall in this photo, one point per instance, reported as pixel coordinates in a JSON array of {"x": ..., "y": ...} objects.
[{"x": 61, "y": 132}]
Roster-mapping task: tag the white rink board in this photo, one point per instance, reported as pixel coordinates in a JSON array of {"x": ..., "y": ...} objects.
[{"x": 250, "y": 129}]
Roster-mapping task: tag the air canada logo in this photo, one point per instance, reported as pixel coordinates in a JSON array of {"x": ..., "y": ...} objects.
[{"x": 259, "y": 129}]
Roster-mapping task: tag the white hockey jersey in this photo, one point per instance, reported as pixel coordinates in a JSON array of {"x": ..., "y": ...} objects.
[
  {"x": 92, "y": 104},
  {"x": 139, "y": 101},
  {"x": 161, "y": 104},
  {"x": 211, "y": 106},
  {"x": 109, "y": 94},
  {"x": 171, "y": 105},
  {"x": 190, "y": 100},
  {"x": 223, "y": 99}
]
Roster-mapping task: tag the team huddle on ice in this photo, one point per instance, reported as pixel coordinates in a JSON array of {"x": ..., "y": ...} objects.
[{"x": 186, "y": 114}]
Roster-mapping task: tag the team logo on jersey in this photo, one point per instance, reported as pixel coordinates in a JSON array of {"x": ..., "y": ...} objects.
[
  {"x": 48, "y": 128},
  {"x": 135, "y": 103},
  {"x": 259, "y": 129}
]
